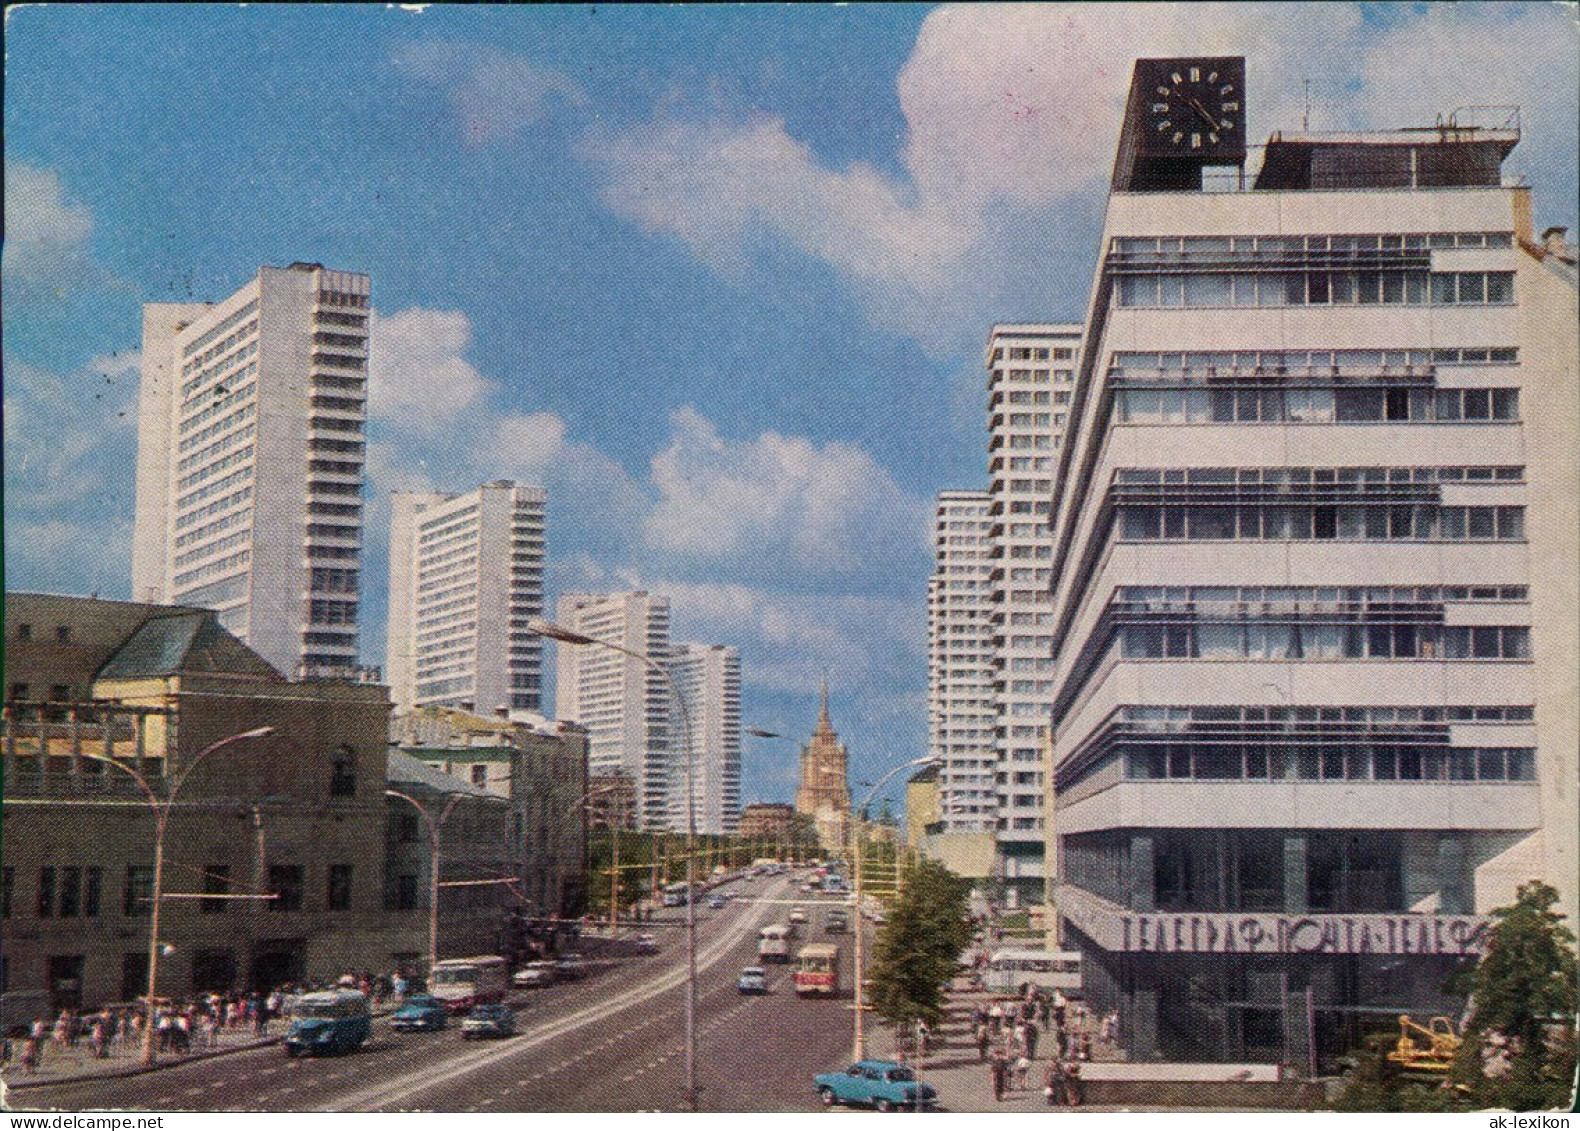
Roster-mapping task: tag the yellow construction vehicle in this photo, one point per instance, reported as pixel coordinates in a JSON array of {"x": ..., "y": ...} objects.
[{"x": 1426, "y": 1048}]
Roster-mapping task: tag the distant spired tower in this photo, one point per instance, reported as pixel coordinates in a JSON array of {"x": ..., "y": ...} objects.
[{"x": 825, "y": 789}]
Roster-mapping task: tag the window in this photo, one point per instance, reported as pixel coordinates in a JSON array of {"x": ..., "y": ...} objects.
[
  {"x": 7, "y": 888},
  {"x": 92, "y": 886},
  {"x": 18, "y": 691},
  {"x": 480, "y": 776},
  {"x": 216, "y": 881},
  {"x": 403, "y": 897},
  {"x": 343, "y": 773},
  {"x": 46, "y": 892},
  {"x": 24, "y": 632},
  {"x": 285, "y": 882},
  {"x": 339, "y": 887},
  {"x": 407, "y": 829},
  {"x": 63, "y": 634},
  {"x": 70, "y": 892},
  {"x": 137, "y": 898}
]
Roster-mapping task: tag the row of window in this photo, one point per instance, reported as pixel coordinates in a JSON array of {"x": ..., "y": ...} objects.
[
  {"x": 230, "y": 322},
  {"x": 241, "y": 415},
  {"x": 1341, "y": 522},
  {"x": 1313, "y": 406},
  {"x": 343, "y": 299},
  {"x": 224, "y": 464},
  {"x": 1279, "y": 363},
  {"x": 330, "y": 580},
  {"x": 216, "y": 593},
  {"x": 1209, "y": 640},
  {"x": 226, "y": 371},
  {"x": 338, "y": 447},
  {"x": 332, "y": 612},
  {"x": 1214, "y": 245},
  {"x": 1316, "y": 288},
  {"x": 73, "y": 892},
  {"x": 225, "y": 443},
  {"x": 1365, "y": 478},
  {"x": 218, "y": 486},
  {"x": 229, "y": 542},
  {"x": 193, "y": 517},
  {"x": 1160, "y": 598},
  {"x": 334, "y": 318},
  {"x": 218, "y": 407},
  {"x": 1353, "y": 763},
  {"x": 1178, "y": 718}
]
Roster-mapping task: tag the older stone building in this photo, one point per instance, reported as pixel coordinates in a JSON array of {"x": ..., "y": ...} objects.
[
  {"x": 274, "y": 790},
  {"x": 538, "y": 770},
  {"x": 824, "y": 795}
]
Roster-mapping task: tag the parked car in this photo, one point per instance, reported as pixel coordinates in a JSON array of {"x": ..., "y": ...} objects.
[
  {"x": 717, "y": 902},
  {"x": 798, "y": 915},
  {"x": 570, "y": 967},
  {"x": 422, "y": 1012},
  {"x": 884, "y": 1084},
  {"x": 753, "y": 980},
  {"x": 492, "y": 1020},
  {"x": 535, "y": 975}
]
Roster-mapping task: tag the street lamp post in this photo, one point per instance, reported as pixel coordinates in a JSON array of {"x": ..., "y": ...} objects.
[
  {"x": 161, "y": 822},
  {"x": 859, "y": 1042},
  {"x": 567, "y": 636},
  {"x": 433, "y": 867}
]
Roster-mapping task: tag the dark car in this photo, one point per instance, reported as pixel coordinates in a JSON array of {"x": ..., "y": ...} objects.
[
  {"x": 419, "y": 1013},
  {"x": 495, "y": 1020}
]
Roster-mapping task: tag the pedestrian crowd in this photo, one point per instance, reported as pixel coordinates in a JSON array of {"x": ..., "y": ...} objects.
[
  {"x": 180, "y": 1028},
  {"x": 1008, "y": 1031}
]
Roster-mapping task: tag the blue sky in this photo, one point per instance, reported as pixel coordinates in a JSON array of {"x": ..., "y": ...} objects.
[{"x": 718, "y": 278}]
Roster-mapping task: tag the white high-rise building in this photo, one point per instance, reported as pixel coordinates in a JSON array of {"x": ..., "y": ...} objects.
[
  {"x": 1031, "y": 375},
  {"x": 708, "y": 680},
  {"x": 1316, "y": 542},
  {"x": 466, "y": 575},
  {"x": 962, "y": 715},
  {"x": 622, "y": 702},
  {"x": 249, "y": 462}
]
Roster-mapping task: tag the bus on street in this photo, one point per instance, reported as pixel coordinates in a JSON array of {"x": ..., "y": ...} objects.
[{"x": 817, "y": 971}]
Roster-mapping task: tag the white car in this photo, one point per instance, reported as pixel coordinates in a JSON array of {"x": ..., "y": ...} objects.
[
  {"x": 535, "y": 975},
  {"x": 797, "y": 915}
]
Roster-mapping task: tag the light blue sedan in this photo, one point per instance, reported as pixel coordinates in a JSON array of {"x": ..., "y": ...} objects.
[{"x": 884, "y": 1084}]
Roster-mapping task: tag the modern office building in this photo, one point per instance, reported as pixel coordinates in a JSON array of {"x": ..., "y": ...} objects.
[
  {"x": 466, "y": 575},
  {"x": 1031, "y": 372},
  {"x": 249, "y": 462},
  {"x": 962, "y": 715},
  {"x": 708, "y": 680},
  {"x": 623, "y": 703},
  {"x": 1314, "y": 575}
]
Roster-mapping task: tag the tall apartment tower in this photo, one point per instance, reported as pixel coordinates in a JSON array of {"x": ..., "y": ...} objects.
[
  {"x": 1031, "y": 376},
  {"x": 249, "y": 462},
  {"x": 708, "y": 679},
  {"x": 623, "y": 703},
  {"x": 1316, "y": 541},
  {"x": 466, "y": 575},
  {"x": 962, "y": 716}
]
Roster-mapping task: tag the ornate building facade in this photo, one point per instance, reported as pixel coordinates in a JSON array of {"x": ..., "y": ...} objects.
[{"x": 825, "y": 786}]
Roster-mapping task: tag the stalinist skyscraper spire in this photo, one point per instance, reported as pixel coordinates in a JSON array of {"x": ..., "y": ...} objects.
[{"x": 825, "y": 789}]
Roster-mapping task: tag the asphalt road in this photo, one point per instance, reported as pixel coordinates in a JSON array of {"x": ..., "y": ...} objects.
[{"x": 613, "y": 1041}]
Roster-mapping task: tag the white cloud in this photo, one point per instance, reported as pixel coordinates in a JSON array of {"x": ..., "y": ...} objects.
[
  {"x": 46, "y": 235},
  {"x": 495, "y": 93},
  {"x": 418, "y": 374},
  {"x": 776, "y": 498},
  {"x": 1012, "y": 114}
]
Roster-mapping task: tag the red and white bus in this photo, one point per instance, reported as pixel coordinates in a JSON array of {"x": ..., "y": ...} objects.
[
  {"x": 461, "y": 983},
  {"x": 817, "y": 971}
]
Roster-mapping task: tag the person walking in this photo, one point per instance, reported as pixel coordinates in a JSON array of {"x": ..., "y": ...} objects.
[
  {"x": 1032, "y": 1033},
  {"x": 1053, "y": 1086},
  {"x": 1022, "y": 1069},
  {"x": 984, "y": 1037},
  {"x": 998, "y": 1070},
  {"x": 32, "y": 1055}
]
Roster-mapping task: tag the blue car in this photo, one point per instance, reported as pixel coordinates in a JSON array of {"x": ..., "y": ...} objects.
[
  {"x": 883, "y": 1084},
  {"x": 419, "y": 1012}
]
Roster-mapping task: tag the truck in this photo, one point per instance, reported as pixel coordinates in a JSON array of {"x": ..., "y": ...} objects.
[{"x": 461, "y": 983}]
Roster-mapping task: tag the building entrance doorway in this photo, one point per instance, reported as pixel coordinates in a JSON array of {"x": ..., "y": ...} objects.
[{"x": 277, "y": 961}]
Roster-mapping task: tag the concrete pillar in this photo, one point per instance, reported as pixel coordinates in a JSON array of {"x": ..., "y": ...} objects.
[
  {"x": 1142, "y": 878},
  {"x": 1295, "y": 875},
  {"x": 1456, "y": 890},
  {"x": 1139, "y": 1021}
]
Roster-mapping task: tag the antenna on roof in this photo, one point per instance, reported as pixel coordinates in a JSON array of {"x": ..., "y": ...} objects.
[{"x": 1305, "y": 117}]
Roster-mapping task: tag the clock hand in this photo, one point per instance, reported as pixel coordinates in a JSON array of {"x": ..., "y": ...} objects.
[{"x": 1202, "y": 110}]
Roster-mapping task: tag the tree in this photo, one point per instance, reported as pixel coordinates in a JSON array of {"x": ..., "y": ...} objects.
[
  {"x": 1519, "y": 1049},
  {"x": 919, "y": 945}
]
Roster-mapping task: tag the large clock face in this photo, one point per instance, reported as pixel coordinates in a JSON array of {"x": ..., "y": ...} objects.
[{"x": 1195, "y": 106}]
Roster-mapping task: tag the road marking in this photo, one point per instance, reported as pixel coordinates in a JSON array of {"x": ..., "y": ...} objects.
[
  {"x": 194, "y": 1091},
  {"x": 382, "y": 1096}
]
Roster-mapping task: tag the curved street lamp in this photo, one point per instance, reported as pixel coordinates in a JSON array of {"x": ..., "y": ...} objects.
[
  {"x": 433, "y": 867},
  {"x": 566, "y": 636},
  {"x": 161, "y": 810},
  {"x": 859, "y": 1041}
]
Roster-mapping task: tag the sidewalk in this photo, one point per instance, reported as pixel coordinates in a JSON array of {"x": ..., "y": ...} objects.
[
  {"x": 61, "y": 1062},
  {"x": 964, "y": 1082}
]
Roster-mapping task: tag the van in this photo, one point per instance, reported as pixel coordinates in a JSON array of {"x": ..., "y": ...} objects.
[
  {"x": 773, "y": 943},
  {"x": 324, "y": 1024}
]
